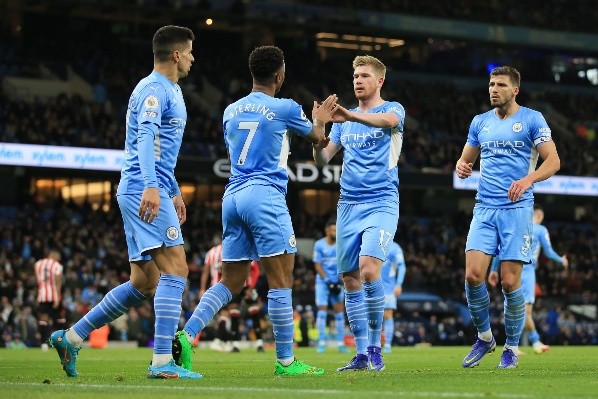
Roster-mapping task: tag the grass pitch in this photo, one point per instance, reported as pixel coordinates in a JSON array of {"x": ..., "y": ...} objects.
[{"x": 563, "y": 372}]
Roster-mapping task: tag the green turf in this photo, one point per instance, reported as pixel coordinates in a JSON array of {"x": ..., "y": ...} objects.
[{"x": 563, "y": 372}]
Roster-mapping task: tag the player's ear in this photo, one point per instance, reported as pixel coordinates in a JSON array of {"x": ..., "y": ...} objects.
[{"x": 176, "y": 55}]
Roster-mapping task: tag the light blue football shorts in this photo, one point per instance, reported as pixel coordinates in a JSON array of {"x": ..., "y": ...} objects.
[
  {"x": 365, "y": 229},
  {"x": 528, "y": 283},
  {"x": 390, "y": 302},
  {"x": 506, "y": 233},
  {"x": 256, "y": 223},
  {"x": 324, "y": 297},
  {"x": 142, "y": 236}
]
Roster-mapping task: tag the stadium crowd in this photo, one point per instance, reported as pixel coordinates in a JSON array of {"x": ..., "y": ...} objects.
[
  {"x": 91, "y": 239},
  {"x": 434, "y": 116},
  {"x": 91, "y": 242}
]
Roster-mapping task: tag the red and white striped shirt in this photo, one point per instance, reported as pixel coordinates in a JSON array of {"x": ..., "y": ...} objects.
[
  {"x": 214, "y": 262},
  {"x": 46, "y": 271}
]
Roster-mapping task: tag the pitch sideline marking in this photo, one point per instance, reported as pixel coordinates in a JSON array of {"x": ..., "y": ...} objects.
[{"x": 305, "y": 391}]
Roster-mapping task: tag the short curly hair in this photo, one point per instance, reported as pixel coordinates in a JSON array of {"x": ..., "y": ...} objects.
[{"x": 264, "y": 62}]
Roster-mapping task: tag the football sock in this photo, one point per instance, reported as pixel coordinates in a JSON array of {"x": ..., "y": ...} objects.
[
  {"x": 514, "y": 316},
  {"x": 339, "y": 321},
  {"x": 116, "y": 302},
  {"x": 280, "y": 309},
  {"x": 389, "y": 331},
  {"x": 321, "y": 324},
  {"x": 374, "y": 305},
  {"x": 478, "y": 302},
  {"x": 211, "y": 302},
  {"x": 533, "y": 337},
  {"x": 167, "y": 307},
  {"x": 358, "y": 321}
]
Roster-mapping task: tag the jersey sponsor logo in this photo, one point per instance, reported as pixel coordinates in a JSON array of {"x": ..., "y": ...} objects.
[
  {"x": 292, "y": 241},
  {"x": 172, "y": 233},
  {"x": 517, "y": 127},
  {"x": 151, "y": 102},
  {"x": 502, "y": 146},
  {"x": 361, "y": 140}
]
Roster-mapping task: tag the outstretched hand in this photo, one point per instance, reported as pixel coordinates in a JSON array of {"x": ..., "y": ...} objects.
[
  {"x": 341, "y": 114},
  {"x": 322, "y": 113}
]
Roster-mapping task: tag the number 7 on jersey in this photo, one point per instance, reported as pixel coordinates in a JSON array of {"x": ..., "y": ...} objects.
[{"x": 252, "y": 127}]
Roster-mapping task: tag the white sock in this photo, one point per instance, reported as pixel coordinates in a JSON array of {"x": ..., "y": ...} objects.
[
  {"x": 73, "y": 338},
  {"x": 486, "y": 335},
  {"x": 161, "y": 359},
  {"x": 513, "y": 348},
  {"x": 286, "y": 362}
]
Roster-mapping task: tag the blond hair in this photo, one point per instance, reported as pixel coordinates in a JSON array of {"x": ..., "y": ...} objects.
[{"x": 365, "y": 60}]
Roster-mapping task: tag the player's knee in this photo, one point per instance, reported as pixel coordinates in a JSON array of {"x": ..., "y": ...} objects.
[
  {"x": 474, "y": 276},
  {"x": 509, "y": 284},
  {"x": 351, "y": 283}
]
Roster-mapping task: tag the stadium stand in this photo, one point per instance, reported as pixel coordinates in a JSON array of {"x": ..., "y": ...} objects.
[{"x": 106, "y": 58}]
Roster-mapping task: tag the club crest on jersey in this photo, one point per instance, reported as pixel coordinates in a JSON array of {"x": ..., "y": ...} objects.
[
  {"x": 292, "y": 241},
  {"x": 151, "y": 102},
  {"x": 172, "y": 233},
  {"x": 517, "y": 126}
]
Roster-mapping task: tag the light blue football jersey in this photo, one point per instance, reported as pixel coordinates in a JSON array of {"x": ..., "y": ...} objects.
[
  {"x": 541, "y": 242},
  {"x": 370, "y": 171},
  {"x": 155, "y": 122},
  {"x": 393, "y": 269},
  {"x": 325, "y": 255},
  {"x": 507, "y": 153},
  {"x": 257, "y": 132}
]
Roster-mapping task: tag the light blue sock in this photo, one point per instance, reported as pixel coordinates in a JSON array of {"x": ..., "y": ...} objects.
[
  {"x": 514, "y": 316},
  {"x": 167, "y": 307},
  {"x": 389, "y": 331},
  {"x": 339, "y": 320},
  {"x": 280, "y": 310},
  {"x": 211, "y": 302},
  {"x": 478, "y": 302},
  {"x": 533, "y": 337},
  {"x": 358, "y": 321},
  {"x": 116, "y": 302},
  {"x": 321, "y": 324},
  {"x": 374, "y": 305}
]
